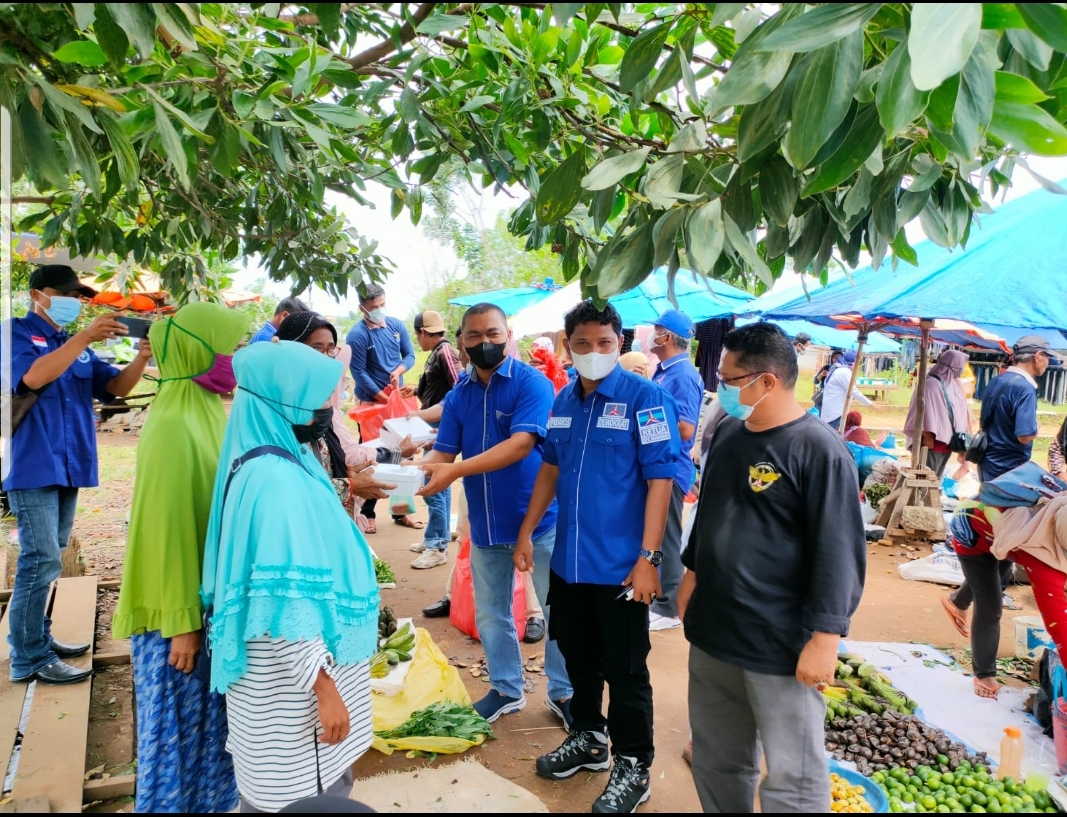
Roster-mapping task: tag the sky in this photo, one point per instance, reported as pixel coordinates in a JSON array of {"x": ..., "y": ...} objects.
[{"x": 419, "y": 261}]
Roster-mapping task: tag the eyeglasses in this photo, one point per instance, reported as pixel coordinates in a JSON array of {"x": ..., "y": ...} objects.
[
  {"x": 329, "y": 351},
  {"x": 729, "y": 380}
]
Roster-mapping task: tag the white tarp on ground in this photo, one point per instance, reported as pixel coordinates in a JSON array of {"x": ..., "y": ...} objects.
[{"x": 946, "y": 696}]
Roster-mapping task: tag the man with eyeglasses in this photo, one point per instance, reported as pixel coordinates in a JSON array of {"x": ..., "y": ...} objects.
[{"x": 776, "y": 564}]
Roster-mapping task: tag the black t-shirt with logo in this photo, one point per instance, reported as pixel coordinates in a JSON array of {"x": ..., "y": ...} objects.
[
  {"x": 440, "y": 375},
  {"x": 778, "y": 545}
]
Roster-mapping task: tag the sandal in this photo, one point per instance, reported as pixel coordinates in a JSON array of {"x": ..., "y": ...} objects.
[
  {"x": 372, "y": 527},
  {"x": 404, "y": 522},
  {"x": 958, "y": 617},
  {"x": 982, "y": 691}
]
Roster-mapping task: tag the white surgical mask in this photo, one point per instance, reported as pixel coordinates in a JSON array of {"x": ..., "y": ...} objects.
[
  {"x": 595, "y": 366},
  {"x": 376, "y": 315}
]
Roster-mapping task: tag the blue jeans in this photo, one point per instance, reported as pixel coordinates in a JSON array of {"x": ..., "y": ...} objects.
[
  {"x": 493, "y": 573},
  {"x": 439, "y": 526},
  {"x": 45, "y": 518}
]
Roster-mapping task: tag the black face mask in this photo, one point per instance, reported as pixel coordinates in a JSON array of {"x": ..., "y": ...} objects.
[
  {"x": 486, "y": 356},
  {"x": 321, "y": 422}
]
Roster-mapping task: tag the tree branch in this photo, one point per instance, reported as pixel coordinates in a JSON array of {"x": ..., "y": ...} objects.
[
  {"x": 47, "y": 200},
  {"x": 384, "y": 49}
]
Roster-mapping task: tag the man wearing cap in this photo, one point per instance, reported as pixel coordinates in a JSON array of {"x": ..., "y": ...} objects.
[
  {"x": 381, "y": 354},
  {"x": 53, "y": 454},
  {"x": 437, "y": 379},
  {"x": 676, "y": 374}
]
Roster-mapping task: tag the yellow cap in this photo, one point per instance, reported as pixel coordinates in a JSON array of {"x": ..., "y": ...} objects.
[{"x": 1013, "y": 731}]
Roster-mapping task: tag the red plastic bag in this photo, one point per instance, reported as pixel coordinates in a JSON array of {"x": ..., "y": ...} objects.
[
  {"x": 462, "y": 614},
  {"x": 372, "y": 416},
  {"x": 399, "y": 406}
]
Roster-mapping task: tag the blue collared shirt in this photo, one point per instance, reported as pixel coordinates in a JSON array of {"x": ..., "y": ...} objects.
[
  {"x": 474, "y": 419},
  {"x": 680, "y": 379},
  {"x": 56, "y": 443},
  {"x": 376, "y": 353},
  {"x": 607, "y": 446},
  {"x": 266, "y": 332}
]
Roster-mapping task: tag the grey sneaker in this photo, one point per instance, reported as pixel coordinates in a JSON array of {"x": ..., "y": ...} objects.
[
  {"x": 430, "y": 558},
  {"x": 628, "y": 787},
  {"x": 417, "y": 547},
  {"x": 580, "y": 750}
]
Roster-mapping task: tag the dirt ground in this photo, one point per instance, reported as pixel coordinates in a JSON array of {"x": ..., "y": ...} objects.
[{"x": 891, "y": 610}]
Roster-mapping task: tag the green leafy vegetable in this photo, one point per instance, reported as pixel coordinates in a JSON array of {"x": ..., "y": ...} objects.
[{"x": 443, "y": 719}]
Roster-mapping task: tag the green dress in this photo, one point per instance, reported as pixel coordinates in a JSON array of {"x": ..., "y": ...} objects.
[{"x": 177, "y": 456}]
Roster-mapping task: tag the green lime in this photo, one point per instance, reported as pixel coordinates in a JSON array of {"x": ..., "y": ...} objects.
[
  {"x": 969, "y": 782},
  {"x": 913, "y": 789},
  {"x": 948, "y": 777},
  {"x": 966, "y": 800},
  {"x": 928, "y": 803},
  {"x": 916, "y": 781},
  {"x": 979, "y": 798},
  {"x": 977, "y": 809},
  {"x": 943, "y": 809},
  {"x": 989, "y": 790},
  {"x": 933, "y": 784},
  {"x": 907, "y": 797},
  {"x": 953, "y": 803},
  {"x": 994, "y": 807}
]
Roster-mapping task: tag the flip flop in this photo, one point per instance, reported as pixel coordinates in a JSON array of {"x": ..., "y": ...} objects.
[
  {"x": 371, "y": 527},
  {"x": 985, "y": 692},
  {"x": 959, "y": 620},
  {"x": 407, "y": 523},
  {"x": 1010, "y": 604}
]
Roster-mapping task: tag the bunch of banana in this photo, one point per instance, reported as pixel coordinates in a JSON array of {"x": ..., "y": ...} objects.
[
  {"x": 379, "y": 665},
  {"x": 386, "y": 623},
  {"x": 838, "y": 704},
  {"x": 399, "y": 645}
]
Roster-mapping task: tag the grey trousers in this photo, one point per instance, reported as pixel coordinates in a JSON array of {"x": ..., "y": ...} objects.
[
  {"x": 671, "y": 569},
  {"x": 342, "y": 787},
  {"x": 732, "y": 712}
]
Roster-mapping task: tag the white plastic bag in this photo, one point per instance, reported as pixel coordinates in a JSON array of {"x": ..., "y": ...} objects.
[{"x": 939, "y": 568}]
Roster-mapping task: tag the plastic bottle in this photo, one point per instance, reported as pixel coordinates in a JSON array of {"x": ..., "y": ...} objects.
[{"x": 1011, "y": 754}]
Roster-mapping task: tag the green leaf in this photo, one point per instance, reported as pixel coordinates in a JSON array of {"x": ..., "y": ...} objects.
[
  {"x": 112, "y": 39},
  {"x": 692, "y": 136},
  {"x": 1048, "y": 21},
  {"x": 903, "y": 250},
  {"x": 561, "y": 189},
  {"x": 125, "y": 156},
  {"x": 329, "y": 18},
  {"x": 82, "y": 52},
  {"x": 61, "y": 101},
  {"x": 1001, "y": 15},
  {"x": 704, "y": 236},
  {"x": 665, "y": 236},
  {"x": 724, "y": 12},
  {"x": 139, "y": 22},
  {"x": 476, "y": 103},
  {"x": 941, "y": 40},
  {"x": 440, "y": 23},
  {"x": 663, "y": 181},
  {"x": 173, "y": 19},
  {"x": 743, "y": 247},
  {"x": 172, "y": 145},
  {"x": 864, "y": 137},
  {"x": 641, "y": 56},
  {"x": 1032, "y": 48},
  {"x": 957, "y": 213},
  {"x": 1028, "y": 128},
  {"x": 1015, "y": 88},
  {"x": 84, "y": 14},
  {"x": 821, "y": 26},
  {"x": 564, "y": 11},
  {"x": 409, "y": 105},
  {"x": 899, "y": 102},
  {"x": 180, "y": 115},
  {"x": 670, "y": 74},
  {"x": 974, "y": 105},
  {"x": 83, "y": 156},
  {"x": 778, "y": 189},
  {"x": 340, "y": 115},
  {"x": 611, "y": 171},
  {"x": 625, "y": 262},
  {"x": 243, "y": 103},
  {"x": 761, "y": 125},
  {"x": 396, "y": 203},
  {"x": 823, "y": 97},
  {"x": 754, "y": 73}
]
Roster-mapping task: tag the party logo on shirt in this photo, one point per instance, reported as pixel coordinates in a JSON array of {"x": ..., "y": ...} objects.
[
  {"x": 84, "y": 357},
  {"x": 652, "y": 423},
  {"x": 614, "y": 416},
  {"x": 762, "y": 476},
  {"x": 37, "y": 340},
  {"x": 559, "y": 422}
]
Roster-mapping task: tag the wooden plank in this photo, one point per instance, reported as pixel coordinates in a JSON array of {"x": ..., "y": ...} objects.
[
  {"x": 32, "y": 805},
  {"x": 12, "y": 695},
  {"x": 52, "y": 759},
  {"x": 105, "y": 584},
  {"x": 109, "y": 789},
  {"x": 117, "y": 656},
  {"x": 3, "y": 566}
]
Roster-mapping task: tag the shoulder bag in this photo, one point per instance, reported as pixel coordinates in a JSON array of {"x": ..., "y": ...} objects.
[
  {"x": 20, "y": 404},
  {"x": 960, "y": 441}
]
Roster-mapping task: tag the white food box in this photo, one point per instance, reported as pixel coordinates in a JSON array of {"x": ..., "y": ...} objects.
[
  {"x": 396, "y": 429},
  {"x": 408, "y": 479}
]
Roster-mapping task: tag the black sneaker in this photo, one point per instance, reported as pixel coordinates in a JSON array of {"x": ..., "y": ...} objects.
[
  {"x": 628, "y": 788},
  {"x": 581, "y": 750}
]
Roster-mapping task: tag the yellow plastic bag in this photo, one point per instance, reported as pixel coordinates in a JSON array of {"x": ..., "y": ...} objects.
[{"x": 429, "y": 680}]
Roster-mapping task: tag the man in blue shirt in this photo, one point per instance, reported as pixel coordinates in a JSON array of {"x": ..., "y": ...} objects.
[
  {"x": 53, "y": 454},
  {"x": 671, "y": 336},
  {"x": 381, "y": 353},
  {"x": 610, "y": 457},
  {"x": 496, "y": 418},
  {"x": 285, "y": 308}
]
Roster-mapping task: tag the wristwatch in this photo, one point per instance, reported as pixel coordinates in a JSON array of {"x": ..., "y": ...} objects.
[{"x": 653, "y": 557}]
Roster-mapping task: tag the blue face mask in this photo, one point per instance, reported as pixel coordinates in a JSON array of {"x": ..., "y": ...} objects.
[
  {"x": 63, "y": 309},
  {"x": 730, "y": 400}
]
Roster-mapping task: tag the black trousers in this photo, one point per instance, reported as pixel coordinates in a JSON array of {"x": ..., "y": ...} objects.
[
  {"x": 604, "y": 640},
  {"x": 985, "y": 579}
]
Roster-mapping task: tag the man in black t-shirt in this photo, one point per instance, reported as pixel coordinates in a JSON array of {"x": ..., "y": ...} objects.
[
  {"x": 776, "y": 566},
  {"x": 438, "y": 377}
]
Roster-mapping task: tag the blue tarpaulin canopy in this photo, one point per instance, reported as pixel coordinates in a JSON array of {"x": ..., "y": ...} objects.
[
  {"x": 698, "y": 299},
  {"x": 877, "y": 343},
  {"x": 1013, "y": 273},
  {"x": 512, "y": 299}
]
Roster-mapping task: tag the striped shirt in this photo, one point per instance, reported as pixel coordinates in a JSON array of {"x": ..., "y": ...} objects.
[{"x": 274, "y": 722}]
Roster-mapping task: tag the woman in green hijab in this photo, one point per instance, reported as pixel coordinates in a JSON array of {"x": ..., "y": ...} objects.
[
  {"x": 290, "y": 585},
  {"x": 182, "y": 763}
]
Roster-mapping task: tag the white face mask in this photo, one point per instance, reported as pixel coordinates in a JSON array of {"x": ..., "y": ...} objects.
[
  {"x": 595, "y": 366},
  {"x": 375, "y": 315}
]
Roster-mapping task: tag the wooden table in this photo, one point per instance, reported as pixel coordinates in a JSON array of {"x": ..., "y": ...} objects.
[{"x": 880, "y": 390}]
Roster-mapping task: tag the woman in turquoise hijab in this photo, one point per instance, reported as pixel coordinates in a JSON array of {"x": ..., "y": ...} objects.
[{"x": 290, "y": 587}]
